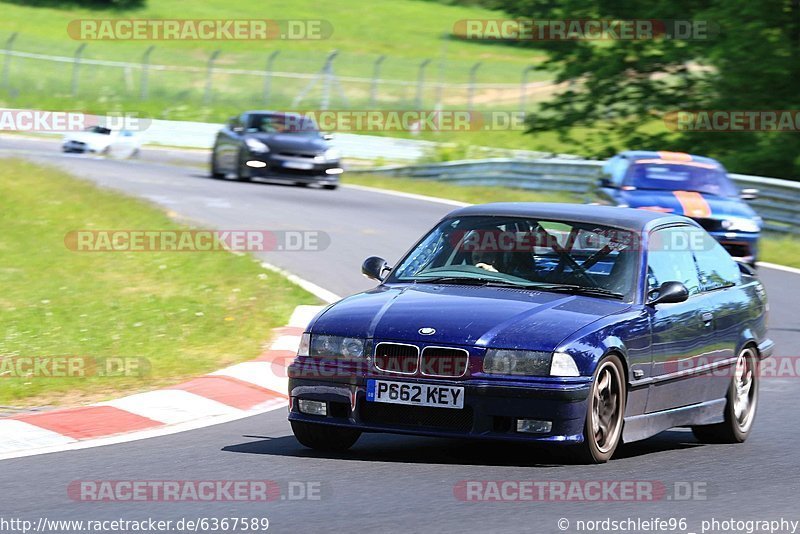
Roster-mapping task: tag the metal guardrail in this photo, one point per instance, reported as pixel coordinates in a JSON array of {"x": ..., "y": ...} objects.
[{"x": 778, "y": 202}]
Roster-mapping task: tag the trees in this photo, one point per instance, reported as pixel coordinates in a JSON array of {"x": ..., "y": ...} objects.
[{"x": 750, "y": 60}]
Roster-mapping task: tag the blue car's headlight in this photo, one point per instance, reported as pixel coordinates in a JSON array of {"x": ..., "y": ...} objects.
[
  {"x": 529, "y": 363},
  {"x": 517, "y": 362},
  {"x": 741, "y": 224},
  {"x": 348, "y": 348}
]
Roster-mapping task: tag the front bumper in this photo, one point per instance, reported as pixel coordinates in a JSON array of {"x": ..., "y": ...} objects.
[
  {"x": 301, "y": 170},
  {"x": 491, "y": 409},
  {"x": 743, "y": 246}
]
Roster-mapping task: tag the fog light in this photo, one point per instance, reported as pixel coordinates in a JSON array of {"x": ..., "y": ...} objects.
[
  {"x": 256, "y": 164},
  {"x": 532, "y": 426},
  {"x": 310, "y": 407},
  {"x": 334, "y": 171}
]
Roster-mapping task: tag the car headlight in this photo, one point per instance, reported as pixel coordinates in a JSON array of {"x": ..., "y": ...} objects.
[
  {"x": 305, "y": 345},
  {"x": 563, "y": 365},
  {"x": 517, "y": 362},
  {"x": 740, "y": 224},
  {"x": 255, "y": 145},
  {"x": 348, "y": 348}
]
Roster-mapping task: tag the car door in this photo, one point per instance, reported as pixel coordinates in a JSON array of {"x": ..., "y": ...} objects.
[
  {"x": 682, "y": 334},
  {"x": 720, "y": 280}
]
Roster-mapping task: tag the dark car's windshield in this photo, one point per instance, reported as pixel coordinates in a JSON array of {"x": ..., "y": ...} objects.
[
  {"x": 677, "y": 176},
  {"x": 281, "y": 123},
  {"x": 525, "y": 252}
]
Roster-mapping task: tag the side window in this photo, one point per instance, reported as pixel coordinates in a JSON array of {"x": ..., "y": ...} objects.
[
  {"x": 717, "y": 268},
  {"x": 669, "y": 259},
  {"x": 615, "y": 169}
]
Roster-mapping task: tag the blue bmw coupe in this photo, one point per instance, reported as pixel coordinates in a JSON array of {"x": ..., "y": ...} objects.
[{"x": 584, "y": 326}]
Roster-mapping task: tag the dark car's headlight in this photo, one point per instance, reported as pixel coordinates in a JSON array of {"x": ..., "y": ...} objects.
[
  {"x": 255, "y": 145},
  {"x": 529, "y": 363},
  {"x": 339, "y": 347}
]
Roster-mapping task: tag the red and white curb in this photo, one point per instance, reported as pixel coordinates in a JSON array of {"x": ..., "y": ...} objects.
[{"x": 239, "y": 391}]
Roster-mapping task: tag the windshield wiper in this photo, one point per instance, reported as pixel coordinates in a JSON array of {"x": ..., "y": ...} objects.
[
  {"x": 480, "y": 281},
  {"x": 574, "y": 288}
]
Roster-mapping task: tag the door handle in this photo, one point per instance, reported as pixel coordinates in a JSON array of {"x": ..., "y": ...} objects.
[{"x": 708, "y": 317}]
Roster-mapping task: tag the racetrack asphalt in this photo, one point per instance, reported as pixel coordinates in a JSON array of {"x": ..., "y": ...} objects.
[{"x": 393, "y": 483}]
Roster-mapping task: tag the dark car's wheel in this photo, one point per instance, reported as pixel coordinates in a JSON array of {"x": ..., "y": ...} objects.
[
  {"x": 324, "y": 437},
  {"x": 740, "y": 410},
  {"x": 243, "y": 171},
  {"x": 215, "y": 172},
  {"x": 605, "y": 410}
]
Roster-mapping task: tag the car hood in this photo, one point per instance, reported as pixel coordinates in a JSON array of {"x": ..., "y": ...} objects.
[
  {"x": 281, "y": 142},
  {"x": 464, "y": 315},
  {"x": 690, "y": 204}
]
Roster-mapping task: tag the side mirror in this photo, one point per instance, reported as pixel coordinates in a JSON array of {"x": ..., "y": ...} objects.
[
  {"x": 374, "y": 267},
  {"x": 605, "y": 181},
  {"x": 749, "y": 194},
  {"x": 668, "y": 293}
]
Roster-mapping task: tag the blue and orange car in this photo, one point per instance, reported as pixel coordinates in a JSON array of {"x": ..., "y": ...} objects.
[
  {"x": 566, "y": 324},
  {"x": 684, "y": 184}
]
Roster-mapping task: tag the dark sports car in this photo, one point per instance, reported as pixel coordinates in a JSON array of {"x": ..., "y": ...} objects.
[
  {"x": 574, "y": 325},
  {"x": 285, "y": 147}
]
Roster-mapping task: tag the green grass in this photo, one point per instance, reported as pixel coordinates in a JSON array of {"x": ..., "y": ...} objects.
[
  {"x": 472, "y": 194},
  {"x": 406, "y": 31},
  {"x": 774, "y": 249},
  {"x": 184, "y": 313},
  {"x": 781, "y": 250}
]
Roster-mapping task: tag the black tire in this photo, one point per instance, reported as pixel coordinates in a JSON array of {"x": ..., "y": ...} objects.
[
  {"x": 330, "y": 187},
  {"x": 602, "y": 431},
  {"x": 324, "y": 437},
  {"x": 736, "y": 427},
  {"x": 243, "y": 171},
  {"x": 215, "y": 173}
]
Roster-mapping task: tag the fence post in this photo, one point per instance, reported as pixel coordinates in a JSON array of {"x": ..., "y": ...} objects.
[
  {"x": 327, "y": 80},
  {"x": 421, "y": 83},
  {"x": 7, "y": 62},
  {"x": 268, "y": 74},
  {"x": 210, "y": 76},
  {"x": 76, "y": 69},
  {"x": 376, "y": 74},
  {"x": 145, "y": 72},
  {"x": 523, "y": 89},
  {"x": 471, "y": 90}
]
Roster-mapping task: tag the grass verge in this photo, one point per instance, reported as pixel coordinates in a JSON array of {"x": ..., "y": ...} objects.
[
  {"x": 774, "y": 249},
  {"x": 181, "y": 314}
]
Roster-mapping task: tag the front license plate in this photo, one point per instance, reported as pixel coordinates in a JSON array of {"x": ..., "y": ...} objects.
[
  {"x": 298, "y": 165},
  {"x": 415, "y": 394}
]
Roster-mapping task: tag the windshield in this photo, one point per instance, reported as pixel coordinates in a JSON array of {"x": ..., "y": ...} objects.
[
  {"x": 524, "y": 252},
  {"x": 281, "y": 123},
  {"x": 689, "y": 176}
]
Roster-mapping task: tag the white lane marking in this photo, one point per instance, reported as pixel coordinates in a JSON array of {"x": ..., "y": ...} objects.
[
  {"x": 302, "y": 315},
  {"x": 290, "y": 343},
  {"x": 269, "y": 406},
  {"x": 171, "y": 406},
  {"x": 412, "y": 196},
  {"x": 319, "y": 292},
  {"x": 777, "y": 267},
  {"x": 261, "y": 374},
  {"x": 20, "y": 435}
]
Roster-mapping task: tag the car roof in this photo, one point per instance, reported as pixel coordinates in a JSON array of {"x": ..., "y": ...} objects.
[
  {"x": 677, "y": 156},
  {"x": 625, "y": 218}
]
